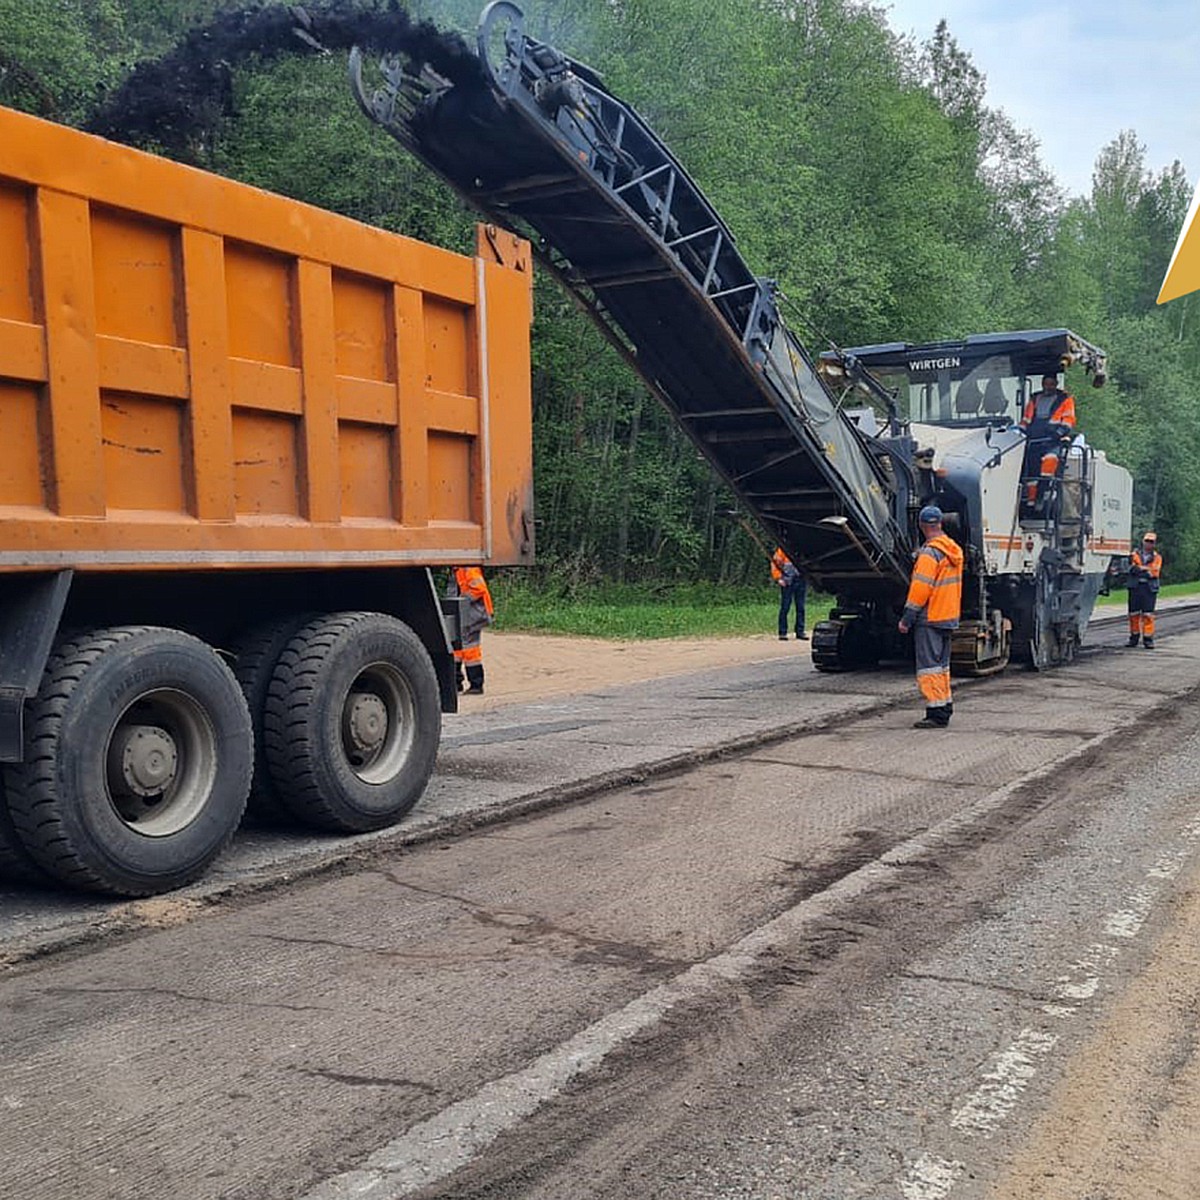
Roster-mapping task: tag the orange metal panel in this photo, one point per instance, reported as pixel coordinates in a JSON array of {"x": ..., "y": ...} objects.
[
  {"x": 143, "y": 453},
  {"x": 16, "y": 292},
  {"x": 367, "y": 401},
  {"x": 364, "y": 326},
  {"x": 192, "y": 371},
  {"x": 367, "y": 456},
  {"x": 135, "y": 263},
  {"x": 266, "y": 386},
  {"x": 68, "y": 301},
  {"x": 449, "y": 466},
  {"x": 141, "y": 367},
  {"x": 318, "y": 370},
  {"x": 259, "y": 298},
  {"x": 265, "y": 464},
  {"x": 412, "y": 448},
  {"x": 21, "y": 461},
  {"x": 210, "y": 376},
  {"x": 23, "y": 351}
]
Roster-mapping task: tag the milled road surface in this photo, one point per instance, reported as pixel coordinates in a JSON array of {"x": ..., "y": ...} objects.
[{"x": 857, "y": 962}]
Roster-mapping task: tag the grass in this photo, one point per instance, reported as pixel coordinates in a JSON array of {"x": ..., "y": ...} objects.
[
  {"x": 634, "y": 612},
  {"x": 1165, "y": 593}
]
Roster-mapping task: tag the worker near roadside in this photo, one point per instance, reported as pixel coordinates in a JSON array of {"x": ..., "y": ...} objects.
[
  {"x": 793, "y": 589},
  {"x": 1145, "y": 568},
  {"x": 1048, "y": 422},
  {"x": 477, "y": 613},
  {"x": 931, "y": 611}
]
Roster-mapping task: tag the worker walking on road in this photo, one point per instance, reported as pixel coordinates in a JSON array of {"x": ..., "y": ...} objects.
[
  {"x": 793, "y": 589},
  {"x": 1145, "y": 567},
  {"x": 469, "y": 583},
  {"x": 931, "y": 611}
]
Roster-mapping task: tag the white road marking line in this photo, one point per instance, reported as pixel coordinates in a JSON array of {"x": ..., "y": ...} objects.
[
  {"x": 1059, "y": 1010},
  {"x": 930, "y": 1178},
  {"x": 1085, "y": 989},
  {"x": 434, "y": 1149},
  {"x": 1008, "y": 1076},
  {"x": 1127, "y": 922}
]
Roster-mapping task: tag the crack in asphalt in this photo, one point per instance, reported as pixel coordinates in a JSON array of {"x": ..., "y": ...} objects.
[
  {"x": 426, "y": 1089},
  {"x": 532, "y": 927},
  {"x": 172, "y": 994}
]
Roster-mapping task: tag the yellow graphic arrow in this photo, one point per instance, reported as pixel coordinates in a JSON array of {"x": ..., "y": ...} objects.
[{"x": 1183, "y": 275}]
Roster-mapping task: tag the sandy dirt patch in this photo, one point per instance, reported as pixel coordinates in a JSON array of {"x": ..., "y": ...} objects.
[
  {"x": 523, "y": 667},
  {"x": 1122, "y": 1124}
]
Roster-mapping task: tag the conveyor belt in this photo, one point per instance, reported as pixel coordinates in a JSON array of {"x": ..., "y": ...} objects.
[{"x": 537, "y": 143}]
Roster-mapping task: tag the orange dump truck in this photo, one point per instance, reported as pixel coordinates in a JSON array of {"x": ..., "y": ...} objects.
[{"x": 236, "y": 433}]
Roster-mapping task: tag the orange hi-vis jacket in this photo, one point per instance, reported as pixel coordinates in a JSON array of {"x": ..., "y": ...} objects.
[
  {"x": 1042, "y": 411},
  {"x": 783, "y": 570},
  {"x": 1146, "y": 568},
  {"x": 471, "y": 583},
  {"x": 935, "y": 593}
]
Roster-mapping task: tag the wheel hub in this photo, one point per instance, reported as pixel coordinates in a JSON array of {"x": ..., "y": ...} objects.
[
  {"x": 146, "y": 758},
  {"x": 366, "y": 722}
]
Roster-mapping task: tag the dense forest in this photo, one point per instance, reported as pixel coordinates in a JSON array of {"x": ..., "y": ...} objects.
[{"x": 864, "y": 171}]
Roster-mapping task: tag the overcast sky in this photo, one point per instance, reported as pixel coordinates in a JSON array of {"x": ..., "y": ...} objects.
[{"x": 1077, "y": 73}]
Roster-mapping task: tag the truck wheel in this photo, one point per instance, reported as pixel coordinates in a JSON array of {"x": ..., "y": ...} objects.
[
  {"x": 352, "y": 722},
  {"x": 138, "y": 756},
  {"x": 256, "y": 654},
  {"x": 16, "y": 864}
]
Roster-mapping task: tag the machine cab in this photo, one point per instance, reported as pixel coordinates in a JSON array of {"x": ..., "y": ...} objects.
[{"x": 982, "y": 380}]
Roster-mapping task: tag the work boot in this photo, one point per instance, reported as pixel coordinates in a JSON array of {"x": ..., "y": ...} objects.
[
  {"x": 1148, "y": 643},
  {"x": 933, "y": 719},
  {"x": 1133, "y": 641}
]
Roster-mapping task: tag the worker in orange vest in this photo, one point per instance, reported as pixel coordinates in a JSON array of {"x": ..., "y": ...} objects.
[
  {"x": 478, "y": 612},
  {"x": 1145, "y": 567},
  {"x": 931, "y": 611},
  {"x": 1048, "y": 422},
  {"x": 793, "y": 589}
]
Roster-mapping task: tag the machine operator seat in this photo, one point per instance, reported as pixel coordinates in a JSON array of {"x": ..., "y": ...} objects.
[
  {"x": 968, "y": 400},
  {"x": 995, "y": 402}
]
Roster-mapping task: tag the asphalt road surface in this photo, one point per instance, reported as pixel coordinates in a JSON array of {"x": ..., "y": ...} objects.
[{"x": 852, "y": 961}]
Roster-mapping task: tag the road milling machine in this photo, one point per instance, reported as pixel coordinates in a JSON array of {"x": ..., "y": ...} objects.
[{"x": 537, "y": 143}]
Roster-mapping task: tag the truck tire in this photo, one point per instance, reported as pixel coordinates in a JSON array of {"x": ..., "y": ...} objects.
[
  {"x": 138, "y": 756},
  {"x": 353, "y": 721},
  {"x": 16, "y": 863},
  {"x": 256, "y": 654}
]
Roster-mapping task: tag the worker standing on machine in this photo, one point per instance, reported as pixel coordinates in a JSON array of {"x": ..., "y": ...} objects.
[
  {"x": 1048, "y": 421},
  {"x": 1145, "y": 568},
  {"x": 931, "y": 611}
]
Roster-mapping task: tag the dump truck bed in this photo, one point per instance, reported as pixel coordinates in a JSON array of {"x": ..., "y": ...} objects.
[{"x": 197, "y": 373}]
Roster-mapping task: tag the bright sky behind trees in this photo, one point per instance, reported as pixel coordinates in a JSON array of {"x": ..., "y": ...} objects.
[{"x": 1077, "y": 72}]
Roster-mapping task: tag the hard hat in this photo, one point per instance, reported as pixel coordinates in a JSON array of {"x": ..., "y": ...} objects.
[
  {"x": 1149, "y": 537},
  {"x": 930, "y": 515}
]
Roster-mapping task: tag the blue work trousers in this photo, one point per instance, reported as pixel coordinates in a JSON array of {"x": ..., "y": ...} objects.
[{"x": 789, "y": 594}]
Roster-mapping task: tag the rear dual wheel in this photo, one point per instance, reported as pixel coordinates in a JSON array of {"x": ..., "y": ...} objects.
[
  {"x": 138, "y": 756},
  {"x": 352, "y": 722}
]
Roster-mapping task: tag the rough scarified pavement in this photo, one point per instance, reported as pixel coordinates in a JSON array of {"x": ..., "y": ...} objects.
[{"x": 847, "y": 963}]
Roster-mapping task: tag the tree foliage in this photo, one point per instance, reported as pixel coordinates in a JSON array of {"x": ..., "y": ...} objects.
[{"x": 865, "y": 172}]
